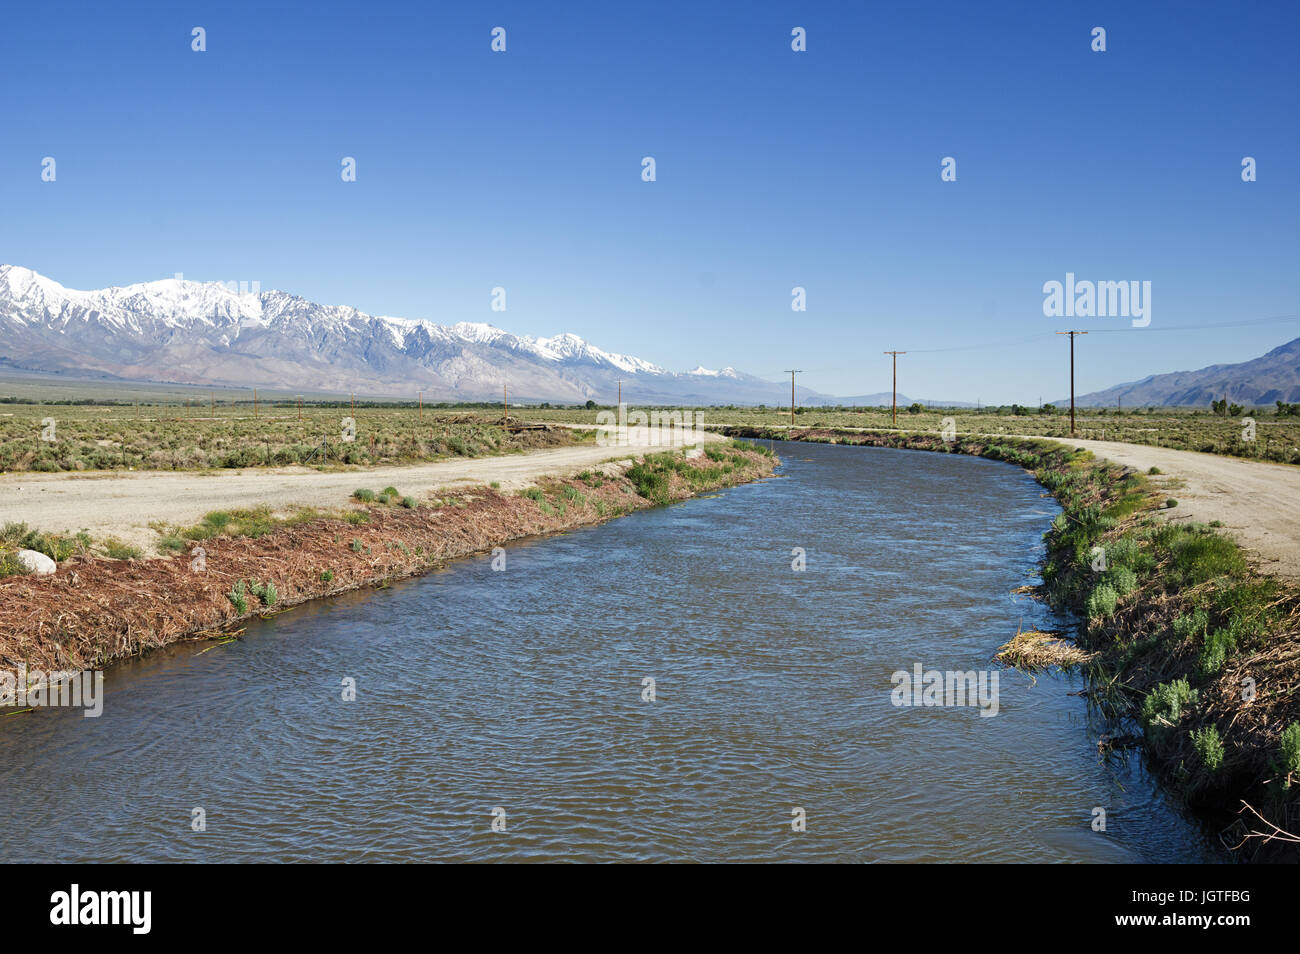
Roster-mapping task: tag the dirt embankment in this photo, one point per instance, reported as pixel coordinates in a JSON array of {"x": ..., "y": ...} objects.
[
  {"x": 93, "y": 611},
  {"x": 123, "y": 506}
]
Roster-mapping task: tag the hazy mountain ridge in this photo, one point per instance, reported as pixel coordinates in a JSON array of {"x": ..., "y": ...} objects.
[{"x": 1261, "y": 381}]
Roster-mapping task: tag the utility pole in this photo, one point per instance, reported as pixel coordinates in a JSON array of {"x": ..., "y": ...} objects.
[
  {"x": 895, "y": 354},
  {"x": 620, "y": 392},
  {"x": 1072, "y": 334},
  {"x": 254, "y": 402},
  {"x": 421, "y": 393},
  {"x": 792, "y": 374},
  {"x": 505, "y": 403},
  {"x": 300, "y": 407}
]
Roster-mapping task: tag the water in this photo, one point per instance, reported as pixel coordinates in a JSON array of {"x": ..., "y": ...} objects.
[{"x": 522, "y": 690}]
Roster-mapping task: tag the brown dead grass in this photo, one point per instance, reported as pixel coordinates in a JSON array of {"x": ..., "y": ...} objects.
[
  {"x": 93, "y": 611},
  {"x": 1035, "y": 651}
]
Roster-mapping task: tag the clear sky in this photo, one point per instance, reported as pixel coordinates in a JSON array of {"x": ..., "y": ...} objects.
[{"x": 819, "y": 169}]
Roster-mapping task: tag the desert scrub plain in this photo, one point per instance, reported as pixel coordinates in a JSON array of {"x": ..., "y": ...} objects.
[
  {"x": 171, "y": 435},
  {"x": 1185, "y": 647},
  {"x": 1277, "y": 436},
  {"x": 80, "y": 437},
  {"x": 236, "y": 564}
]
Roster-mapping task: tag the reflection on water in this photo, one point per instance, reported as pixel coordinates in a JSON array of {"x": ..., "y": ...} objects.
[{"x": 522, "y": 690}]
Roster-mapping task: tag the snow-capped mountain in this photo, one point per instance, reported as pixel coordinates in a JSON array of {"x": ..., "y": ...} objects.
[{"x": 205, "y": 333}]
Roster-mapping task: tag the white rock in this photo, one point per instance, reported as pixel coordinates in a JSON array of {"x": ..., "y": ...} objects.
[{"x": 37, "y": 563}]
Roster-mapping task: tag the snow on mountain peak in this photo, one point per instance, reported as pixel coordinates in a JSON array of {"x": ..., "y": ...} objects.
[
  {"x": 185, "y": 331},
  {"x": 704, "y": 372}
]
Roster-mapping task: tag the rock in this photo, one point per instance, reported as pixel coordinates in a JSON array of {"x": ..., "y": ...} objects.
[{"x": 37, "y": 563}]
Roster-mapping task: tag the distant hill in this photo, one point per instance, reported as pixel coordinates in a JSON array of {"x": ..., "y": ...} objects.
[{"x": 1258, "y": 382}]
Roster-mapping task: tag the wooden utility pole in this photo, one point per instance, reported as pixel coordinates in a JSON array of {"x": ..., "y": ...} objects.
[
  {"x": 1072, "y": 334},
  {"x": 792, "y": 374},
  {"x": 300, "y": 407},
  {"x": 895, "y": 354},
  {"x": 352, "y": 404},
  {"x": 620, "y": 392},
  {"x": 505, "y": 404},
  {"x": 254, "y": 402}
]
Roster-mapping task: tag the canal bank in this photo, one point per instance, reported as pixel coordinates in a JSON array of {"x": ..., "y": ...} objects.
[{"x": 96, "y": 611}]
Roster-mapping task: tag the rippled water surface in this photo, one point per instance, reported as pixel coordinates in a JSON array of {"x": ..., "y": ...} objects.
[{"x": 522, "y": 690}]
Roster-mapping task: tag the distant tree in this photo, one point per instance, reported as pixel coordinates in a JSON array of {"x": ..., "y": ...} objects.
[
  {"x": 1047, "y": 409},
  {"x": 1234, "y": 410},
  {"x": 1287, "y": 410},
  {"x": 591, "y": 405},
  {"x": 914, "y": 409},
  {"x": 1219, "y": 407}
]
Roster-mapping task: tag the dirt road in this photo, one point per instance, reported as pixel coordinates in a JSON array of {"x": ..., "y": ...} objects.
[
  {"x": 1259, "y": 503},
  {"x": 123, "y": 505}
]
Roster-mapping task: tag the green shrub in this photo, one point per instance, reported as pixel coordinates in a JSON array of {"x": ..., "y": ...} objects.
[
  {"x": 1102, "y": 600},
  {"x": 117, "y": 550},
  {"x": 1200, "y": 557},
  {"x": 1171, "y": 503},
  {"x": 650, "y": 483},
  {"x": 356, "y": 545},
  {"x": 236, "y": 596},
  {"x": 1163, "y": 707},
  {"x": 1289, "y": 751},
  {"x": 1209, "y": 747},
  {"x": 365, "y": 496},
  {"x": 1122, "y": 579},
  {"x": 1191, "y": 627},
  {"x": 326, "y": 576},
  {"x": 390, "y": 492},
  {"x": 410, "y": 503},
  {"x": 1218, "y": 645}
]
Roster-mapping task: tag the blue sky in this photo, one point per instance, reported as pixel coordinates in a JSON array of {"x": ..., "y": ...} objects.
[{"x": 775, "y": 169}]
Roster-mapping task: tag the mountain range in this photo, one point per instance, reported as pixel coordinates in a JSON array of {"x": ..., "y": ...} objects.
[
  {"x": 1259, "y": 382},
  {"x": 176, "y": 331},
  {"x": 211, "y": 334}
]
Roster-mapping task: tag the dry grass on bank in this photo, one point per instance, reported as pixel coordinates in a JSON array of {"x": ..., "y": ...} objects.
[
  {"x": 94, "y": 611},
  {"x": 1035, "y": 651}
]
